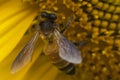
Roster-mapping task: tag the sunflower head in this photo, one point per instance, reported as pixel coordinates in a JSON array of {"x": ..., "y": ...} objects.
[{"x": 95, "y": 31}]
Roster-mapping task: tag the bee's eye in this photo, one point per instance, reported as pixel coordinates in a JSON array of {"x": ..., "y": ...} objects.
[
  {"x": 44, "y": 15},
  {"x": 49, "y": 16},
  {"x": 53, "y": 16}
]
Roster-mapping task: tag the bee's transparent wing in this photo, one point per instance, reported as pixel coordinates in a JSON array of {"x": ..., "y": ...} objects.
[
  {"x": 25, "y": 55},
  {"x": 67, "y": 50}
]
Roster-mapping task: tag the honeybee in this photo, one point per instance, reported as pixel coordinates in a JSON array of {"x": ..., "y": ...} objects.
[{"x": 61, "y": 51}]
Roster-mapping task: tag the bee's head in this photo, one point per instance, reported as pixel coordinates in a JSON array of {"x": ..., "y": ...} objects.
[{"x": 48, "y": 16}]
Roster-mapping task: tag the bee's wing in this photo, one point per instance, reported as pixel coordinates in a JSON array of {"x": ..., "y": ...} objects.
[
  {"x": 25, "y": 55},
  {"x": 67, "y": 50}
]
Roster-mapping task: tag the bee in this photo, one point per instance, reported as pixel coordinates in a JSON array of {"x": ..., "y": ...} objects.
[{"x": 61, "y": 51}]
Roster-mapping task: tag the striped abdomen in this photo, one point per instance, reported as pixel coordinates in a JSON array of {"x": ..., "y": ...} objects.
[{"x": 52, "y": 52}]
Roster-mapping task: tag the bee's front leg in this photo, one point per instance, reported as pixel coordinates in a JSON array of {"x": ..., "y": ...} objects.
[{"x": 64, "y": 27}]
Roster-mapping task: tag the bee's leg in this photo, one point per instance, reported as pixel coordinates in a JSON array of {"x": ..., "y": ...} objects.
[
  {"x": 29, "y": 30},
  {"x": 42, "y": 53},
  {"x": 67, "y": 23},
  {"x": 35, "y": 23},
  {"x": 33, "y": 26},
  {"x": 80, "y": 43}
]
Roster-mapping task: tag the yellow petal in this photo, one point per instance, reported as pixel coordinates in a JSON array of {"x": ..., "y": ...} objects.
[
  {"x": 5, "y": 65},
  {"x": 15, "y": 20},
  {"x": 50, "y": 74}
]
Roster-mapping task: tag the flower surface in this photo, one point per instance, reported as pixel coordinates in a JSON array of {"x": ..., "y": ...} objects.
[{"x": 95, "y": 31}]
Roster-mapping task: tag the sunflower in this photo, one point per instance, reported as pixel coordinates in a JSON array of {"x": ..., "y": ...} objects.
[{"x": 95, "y": 31}]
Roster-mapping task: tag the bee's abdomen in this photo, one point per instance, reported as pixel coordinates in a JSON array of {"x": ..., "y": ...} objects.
[
  {"x": 52, "y": 52},
  {"x": 65, "y": 66},
  {"x": 69, "y": 69}
]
